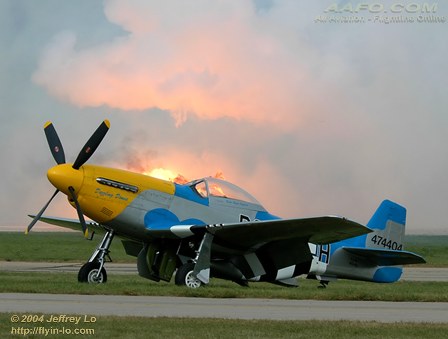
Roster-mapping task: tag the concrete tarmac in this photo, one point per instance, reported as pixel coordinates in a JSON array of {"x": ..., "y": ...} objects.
[
  {"x": 63, "y": 267},
  {"x": 273, "y": 309},
  {"x": 409, "y": 274}
]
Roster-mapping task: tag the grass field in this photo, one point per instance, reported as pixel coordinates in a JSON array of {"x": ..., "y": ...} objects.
[
  {"x": 135, "y": 285},
  {"x": 71, "y": 247},
  {"x": 54, "y": 247},
  {"x": 434, "y": 248},
  {"x": 135, "y": 327}
]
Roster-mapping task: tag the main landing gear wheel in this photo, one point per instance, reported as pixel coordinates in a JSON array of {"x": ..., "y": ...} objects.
[
  {"x": 90, "y": 272},
  {"x": 184, "y": 276}
]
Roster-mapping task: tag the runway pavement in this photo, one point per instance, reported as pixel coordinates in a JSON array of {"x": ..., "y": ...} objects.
[
  {"x": 102, "y": 305},
  {"x": 274, "y": 309},
  {"x": 410, "y": 273},
  {"x": 22, "y": 266}
]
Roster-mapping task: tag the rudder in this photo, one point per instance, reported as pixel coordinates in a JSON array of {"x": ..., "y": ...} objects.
[{"x": 388, "y": 225}]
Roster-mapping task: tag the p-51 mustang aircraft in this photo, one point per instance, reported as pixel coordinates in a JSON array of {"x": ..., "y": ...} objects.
[{"x": 212, "y": 228}]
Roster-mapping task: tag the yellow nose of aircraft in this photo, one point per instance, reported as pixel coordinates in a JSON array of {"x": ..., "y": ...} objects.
[{"x": 63, "y": 176}]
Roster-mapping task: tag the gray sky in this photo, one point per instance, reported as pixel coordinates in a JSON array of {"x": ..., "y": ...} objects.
[{"x": 310, "y": 117}]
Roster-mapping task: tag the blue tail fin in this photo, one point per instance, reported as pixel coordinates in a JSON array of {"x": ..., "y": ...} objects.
[
  {"x": 377, "y": 256},
  {"x": 388, "y": 225},
  {"x": 384, "y": 246}
]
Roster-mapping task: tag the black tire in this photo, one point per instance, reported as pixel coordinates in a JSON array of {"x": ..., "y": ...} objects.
[
  {"x": 89, "y": 271},
  {"x": 184, "y": 276}
]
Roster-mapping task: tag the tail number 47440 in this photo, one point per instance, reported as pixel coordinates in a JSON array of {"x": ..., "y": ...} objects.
[{"x": 386, "y": 243}]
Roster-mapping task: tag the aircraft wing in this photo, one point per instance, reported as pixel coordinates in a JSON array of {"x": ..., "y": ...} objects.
[
  {"x": 319, "y": 230},
  {"x": 383, "y": 257},
  {"x": 72, "y": 224},
  {"x": 283, "y": 241}
]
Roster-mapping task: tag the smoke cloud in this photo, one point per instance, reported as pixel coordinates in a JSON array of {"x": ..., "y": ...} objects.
[
  {"x": 212, "y": 59},
  {"x": 311, "y": 118}
]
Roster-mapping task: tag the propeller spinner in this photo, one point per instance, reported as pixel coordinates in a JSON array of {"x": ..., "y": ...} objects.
[{"x": 65, "y": 178}]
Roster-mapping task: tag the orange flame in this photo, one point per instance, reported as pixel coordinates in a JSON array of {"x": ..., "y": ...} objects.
[
  {"x": 169, "y": 175},
  {"x": 166, "y": 174}
]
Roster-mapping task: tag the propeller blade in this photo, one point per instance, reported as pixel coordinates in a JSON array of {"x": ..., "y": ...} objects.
[
  {"x": 37, "y": 217},
  {"x": 85, "y": 230},
  {"x": 92, "y": 144},
  {"x": 55, "y": 143}
]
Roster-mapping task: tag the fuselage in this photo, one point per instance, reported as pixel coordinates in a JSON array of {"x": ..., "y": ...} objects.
[
  {"x": 140, "y": 207},
  {"x": 133, "y": 204},
  {"x": 196, "y": 230}
]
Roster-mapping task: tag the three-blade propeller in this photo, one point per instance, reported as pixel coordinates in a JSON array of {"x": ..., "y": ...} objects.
[{"x": 84, "y": 155}]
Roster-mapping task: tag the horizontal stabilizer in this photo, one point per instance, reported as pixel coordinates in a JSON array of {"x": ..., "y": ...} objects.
[{"x": 383, "y": 257}]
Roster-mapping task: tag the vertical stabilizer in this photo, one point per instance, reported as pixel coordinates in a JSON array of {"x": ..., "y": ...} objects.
[
  {"x": 388, "y": 225},
  {"x": 377, "y": 256}
]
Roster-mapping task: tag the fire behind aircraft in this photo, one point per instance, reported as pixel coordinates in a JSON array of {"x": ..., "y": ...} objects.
[{"x": 212, "y": 228}]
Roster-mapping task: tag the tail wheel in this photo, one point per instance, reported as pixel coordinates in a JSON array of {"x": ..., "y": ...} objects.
[
  {"x": 89, "y": 273},
  {"x": 184, "y": 276}
]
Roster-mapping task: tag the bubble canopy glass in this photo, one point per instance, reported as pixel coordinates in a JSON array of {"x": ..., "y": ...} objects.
[{"x": 212, "y": 187}]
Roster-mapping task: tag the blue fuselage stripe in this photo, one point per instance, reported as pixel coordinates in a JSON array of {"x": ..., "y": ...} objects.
[{"x": 186, "y": 192}]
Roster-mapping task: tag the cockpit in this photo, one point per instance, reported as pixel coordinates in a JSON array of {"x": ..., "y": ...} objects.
[{"x": 212, "y": 187}]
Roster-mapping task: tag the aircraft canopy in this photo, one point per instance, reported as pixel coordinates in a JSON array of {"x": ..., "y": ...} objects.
[{"x": 214, "y": 187}]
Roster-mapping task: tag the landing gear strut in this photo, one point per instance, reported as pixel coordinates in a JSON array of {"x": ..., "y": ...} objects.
[
  {"x": 194, "y": 274},
  {"x": 93, "y": 271}
]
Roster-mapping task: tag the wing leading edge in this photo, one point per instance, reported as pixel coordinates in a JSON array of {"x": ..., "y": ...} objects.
[
  {"x": 318, "y": 230},
  {"x": 72, "y": 224}
]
